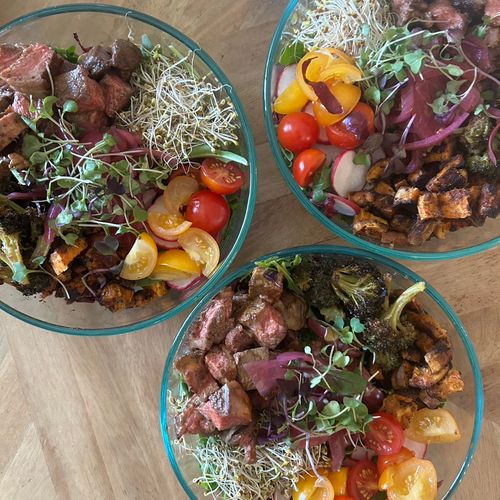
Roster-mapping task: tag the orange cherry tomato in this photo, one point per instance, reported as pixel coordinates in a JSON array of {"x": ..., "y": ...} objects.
[
  {"x": 310, "y": 487},
  {"x": 354, "y": 129},
  {"x": 220, "y": 177},
  {"x": 347, "y": 95},
  {"x": 141, "y": 260},
  {"x": 362, "y": 481},
  {"x": 413, "y": 479},
  {"x": 384, "y": 434},
  {"x": 384, "y": 461},
  {"x": 433, "y": 426},
  {"x": 298, "y": 131},
  {"x": 306, "y": 164}
]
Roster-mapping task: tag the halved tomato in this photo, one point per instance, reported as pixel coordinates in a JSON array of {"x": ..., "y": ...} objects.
[
  {"x": 385, "y": 435},
  {"x": 165, "y": 224},
  {"x": 306, "y": 164},
  {"x": 413, "y": 479},
  {"x": 202, "y": 248},
  {"x": 310, "y": 487},
  {"x": 384, "y": 461},
  {"x": 433, "y": 426},
  {"x": 141, "y": 260},
  {"x": 178, "y": 192},
  {"x": 362, "y": 481},
  {"x": 220, "y": 177}
]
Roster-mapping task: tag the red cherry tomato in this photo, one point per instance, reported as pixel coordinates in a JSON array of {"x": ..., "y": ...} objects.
[
  {"x": 298, "y": 131},
  {"x": 385, "y": 435},
  {"x": 195, "y": 173},
  {"x": 208, "y": 211},
  {"x": 220, "y": 177},
  {"x": 384, "y": 461},
  {"x": 354, "y": 129},
  {"x": 362, "y": 481},
  {"x": 306, "y": 164}
]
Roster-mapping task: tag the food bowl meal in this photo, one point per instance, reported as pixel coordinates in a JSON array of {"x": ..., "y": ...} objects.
[
  {"x": 383, "y": 120},
  {"x": 321, "y": 372},
  {"x": 127, "y": 170}
]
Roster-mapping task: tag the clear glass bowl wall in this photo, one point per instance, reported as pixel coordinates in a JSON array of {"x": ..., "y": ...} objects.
[
  {"x": 464, "y": 242},
  {"x": 101, "y": 24},
  {"x": 451, "y": 460}
]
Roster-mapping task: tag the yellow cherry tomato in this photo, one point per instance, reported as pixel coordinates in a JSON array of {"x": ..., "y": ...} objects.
[
  {"x": 202, "y": 248},
  {"x": 178, "y": 259},
  {"x": 433, "y": 426},
  {"x": 291, "y": 100},
  {"x": 141, "y": 260},
  {"x": 339, "y": 480},
  {"x": 347, "y": 95},
  {"x": 413, "y": 479},
  {"x": 310, "y": 487},
  {"x": 178, "y": 192},
  {"x": 165, "y": 224}
]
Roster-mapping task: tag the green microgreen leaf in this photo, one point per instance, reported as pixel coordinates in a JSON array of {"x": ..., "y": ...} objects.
[
  {"x": 362, "y": 159},
  {"x": 38, "y": 261},
  {"x": 47, "y": 106},
  {"x": 69, "y": 53},
  {"x": 107, "y": 246},
  {"x": 321, "y": 183},
  {"x": 31, "y": 144},
  {"x": 372, "y": 94},
  {"x": 453, "y": 70},
  {"x": 414, "y": 60},
  {"x": 292, "y": 54},
  {"x": 64, "y": 218},
  {"x": 70, "y": 106},
  {"x": 140, "y": 214},
  {"x": 19, "y": 272},
  {"x": 69, "y": 238}
]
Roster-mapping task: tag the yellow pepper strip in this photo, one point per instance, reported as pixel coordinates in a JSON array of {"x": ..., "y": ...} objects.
[
  {"x": 339, "y": 480},
  {"x": 291, "y": 100},
  {"x": 348, "y": 96},
  {"x": 346, "y": 73}
]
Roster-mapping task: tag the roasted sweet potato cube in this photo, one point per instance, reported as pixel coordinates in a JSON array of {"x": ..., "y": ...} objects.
[
  {"x": 475, "y": 193},
  {"x": 422, "y": 176},
  {"x": 450, "y": 384},
  {"x": 406, "y": 196},
  {"x": 401, "y": 377},
  {"x": 376, "y": 170},
  {"x": 394, "y": 238},
  {"x": 384, "y": 188},
  {"x": 440, "y": 153},
  {"x": 64, "y": 255},
  {"x": 428, "y": 206},
  {"x": 412, "y": 354},
  {"x": 362, "y": 198},
  {"x": 488, "y": 201},
  {"x": 383, "y": 204},
  {"x": 367, "y": 224},
  {"x": 423, "y": 377},
  {"x": 441, "y": 229},
  {"x": 421, "y": 231},
  {"x": 454, "y": 204},
  {"x": 116, "y": 297},
  {"x": 400, "y": 407},
  {"x": 427, "y": 324},
  {"x": 402, "y": 223},
  {"x": 449, "y": 177},
  {"x": 439, "y": 356},
  {"x": 401, "y": 183}
]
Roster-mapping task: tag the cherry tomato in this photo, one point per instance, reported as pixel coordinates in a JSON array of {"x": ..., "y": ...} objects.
[
  {"x": 208, "y": 211},
  {"x": 220, "y": 177},
  {"x": 362, "y": 482},
  {"x": 178, "y": 192},
  {"x": 175, "y": 264},
  {"x": 413, "y": 479},
  {"x": 433, "y": 426},
  {"x": 298, "y": 131},
  {"x": 202, "y": 248},
  {"x": 339, "y": 481},
  {"x": 385, "y": 435},
  {"x": 306, "y": 164},
  {"x": 354, "y": 129},
  {"x": 343, "y": 497},
  {"x": 385, "y": 461},
  {"x": 311, "y": 487},
  {"x": 141, "y": 260},
  {"x": 195, "y": 173},
  {"x": 165, "y": 224}
]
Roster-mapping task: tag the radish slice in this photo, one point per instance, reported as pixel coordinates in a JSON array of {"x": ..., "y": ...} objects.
[
  {"x": 275, "y": 79},
  {"x": 346, "y": 176},
  {"x": 285, "y": 79},
  {"x": 344, "y": 206},
  {"x": 323, "y": 138},
  {"x": 359, "y": 453},
  {"x": 164, "y": 244},
  {"x": 418, "y": 448},
  {"x": 184, "y": 284}
]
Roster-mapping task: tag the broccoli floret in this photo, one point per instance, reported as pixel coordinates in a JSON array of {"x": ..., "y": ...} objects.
[
  {"x": 312, "y": 276},
  {"x": 480, "y": 164},
  {"x": 391, "y": 334},
  {"x": 475, "y": 134},
  {"x": 361, "y": 288},
  {"x": 332, "y": 313}
]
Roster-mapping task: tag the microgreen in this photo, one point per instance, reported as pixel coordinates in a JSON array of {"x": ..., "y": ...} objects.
[
  {"x": 69, "y": 53},
  {"x": 320, "y": 184},
  {"x": 292, "y": 53},
  {"x": 362, "y": 158},
  {"x": 283, "y": 266}
]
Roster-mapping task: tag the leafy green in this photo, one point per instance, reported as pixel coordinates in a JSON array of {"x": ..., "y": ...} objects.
[
  {"x": 204, "y": 151},
  {"x": 321, "y": 183},
  {"x": 283, "y": 266},
  {"x": 362, "y": 158},
  {"x": 69, "y": 53},
  {"x": 292, "y": 53}
]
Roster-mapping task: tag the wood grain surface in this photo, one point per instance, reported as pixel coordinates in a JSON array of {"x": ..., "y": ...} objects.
[{"x": 79, "y": 416}]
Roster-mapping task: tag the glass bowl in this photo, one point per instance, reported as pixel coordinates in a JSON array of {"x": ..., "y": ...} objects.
[
  {"x": 101, "y": 24},
  {"x": 451, "y": 460},
  {"x": 467, "y": 241}
]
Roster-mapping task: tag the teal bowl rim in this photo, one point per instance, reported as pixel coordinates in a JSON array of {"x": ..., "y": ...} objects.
[
  {"x": 252, "y": 166},
  {"x": 306, "y": 203},
  {"x": 339, "y": 250}
]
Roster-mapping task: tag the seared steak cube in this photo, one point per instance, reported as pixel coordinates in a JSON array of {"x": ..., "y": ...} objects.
[
  {"x": 214, "y": 322},
  {"x": 125, "y": 56},
  {"x": 238, "y": 339},
  {"x": 265, "y": 283},
  {"x": 194, "y": 371},
  {"x": 96, "y": 61},
  {"x": 220, "y": 364},
  {"x": 488, "y": 201},
  {"x": 79, "y": 87},
  {"x": 228, "y": 407},
  {"x": 29, "y": 74},
  {"x": 191, "y": 421},
  {"x": 293, "y": 309},
  {"x": 265, "y": 322},
  {"x": 244, "y": 357},
  {"x": 117, "y": 93},
  {"x": 90, "y": 120},
  {"x": 11, "y": 126},
  {"x": 9, "y": 54}
]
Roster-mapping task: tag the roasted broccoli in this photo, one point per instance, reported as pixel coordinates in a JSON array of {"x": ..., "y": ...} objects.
[
  {"x": 391, "y": 334},
  {"x": 360, "y": 287},
  {"x": 312, "y": 276},
  {"x": 475, "y": 134},
  {"x": 332, "y": 313},
  {"x": 480, "y": 164}
]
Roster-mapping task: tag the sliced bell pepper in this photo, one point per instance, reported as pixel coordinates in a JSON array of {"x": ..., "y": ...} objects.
[
  {"x": 291, "y": 100},
  {"x": 347, "y": 95}
]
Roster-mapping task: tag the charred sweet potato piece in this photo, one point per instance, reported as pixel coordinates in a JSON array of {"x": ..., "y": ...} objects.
[
  {"x": 428, "y": 206},
  {"x": 450, "y": 384},
  {"x": 362, "y": 198},
  {"x": 488, "y": 201},
  {"x": 384, "y": 188},
  {"x": 64, "y": 255},
  {"x": 367, "y": 224},
  {"x": 394, "y": 238},
  {"x": 439, "y": 356},
  {"x": 423, "y": 377},
  {"x": 454, "y": 204},
  {"x": 406, "y": 196},
  {"x": 402, "y": 223},
  {"x": 427, "y": 324},
  {"x": 376, "y": 170},
  {"x": 116, "y": 297},
  {"x": 412, "y": 354},
  {"x": 440, "y": 153},
  {"x": 421, "y": 231},
  {"x": 400, "y": 407},
  {"x": 449, "y": 177},
  {"x": 441, "y": 230},
  {"x": 401, "y": 376},
  {"x": 383, "y": 204},
  {"x": 422, "y": 176}
]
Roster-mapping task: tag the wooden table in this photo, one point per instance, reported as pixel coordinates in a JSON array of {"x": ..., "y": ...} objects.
[{"x": 79, "y": 416}]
